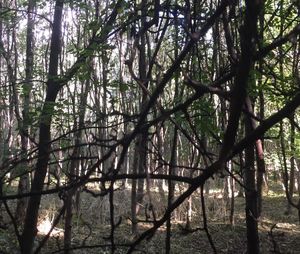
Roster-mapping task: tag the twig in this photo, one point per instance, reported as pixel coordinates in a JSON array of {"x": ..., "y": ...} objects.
[
  {"x": 205, "y": 227},
  {"x": 274, "y": 243}
]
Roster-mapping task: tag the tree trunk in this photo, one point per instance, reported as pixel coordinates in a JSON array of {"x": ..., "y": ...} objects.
[
  {"x": 74, "y": 169},
  {"x": 171, "y": 188},
  {"x": 250, "y": 195},
  {"x": 292, "y": 163},
  {"x": 142, "y": 138},
  {"x": 30, "y": 224},
  {"x": 24, "y": 132},
  {"x": 260, "y": 160}
]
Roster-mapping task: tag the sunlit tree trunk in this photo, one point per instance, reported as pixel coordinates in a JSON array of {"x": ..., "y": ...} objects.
[
  {"x": 161, "y": 167},
  {"x": 142, "y": 137},
  {"x": 171, "y": 187},
  {"x": 24, "y": 130}
]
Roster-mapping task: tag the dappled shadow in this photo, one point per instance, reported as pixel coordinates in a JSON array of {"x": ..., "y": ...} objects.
[{"x": 278, "y": 231}]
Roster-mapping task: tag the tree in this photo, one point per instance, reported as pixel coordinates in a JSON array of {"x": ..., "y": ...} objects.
[{"x": 103, "y": 103}]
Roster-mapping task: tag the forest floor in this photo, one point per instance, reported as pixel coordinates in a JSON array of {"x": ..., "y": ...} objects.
[{"x": 279, "y": 232}]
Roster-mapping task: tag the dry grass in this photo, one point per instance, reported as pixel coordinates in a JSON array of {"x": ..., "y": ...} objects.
[{"x": 91, "y": 226}]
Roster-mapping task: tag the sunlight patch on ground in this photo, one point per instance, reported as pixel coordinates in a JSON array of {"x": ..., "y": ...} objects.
[
  {"x": 45, "y": 226},
  {"x": 272, "y": 194},
  {"x": 287, "y": 226},
  {"x": 266, "y": 225}
]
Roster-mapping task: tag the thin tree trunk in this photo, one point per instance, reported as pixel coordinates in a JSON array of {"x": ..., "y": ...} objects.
[
  {"x": 232, "y": 197},
  {"x": 292, "y": 163},
  {"x": 24, "y": 179},
  {"x": 161, "y": 166},
  {"x": 141, "y": 144},
  {"x": 250, "y": 195},
  {"x": 133, "y": 193},
  {"x": 261, "y": 168},
  {"x": 260, "y": 160},
  {"x": 285, "y": 174},
  {"x": 74, "y": 170},
  {"x": 30, "y": 224},
  {"x": 171, "y": 188}
]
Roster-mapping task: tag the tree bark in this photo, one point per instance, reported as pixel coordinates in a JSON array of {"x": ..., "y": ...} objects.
[
  {"x": 239, "y": 94},
  {"x": 250, "y": 195},
  {"x": 171, "y": 188},
  {"x": 30, "y": 224},
  {"x": 142, "y": 138},
  {"x": 292, "y": 163},
  {"x": 24, "y": 130},
  {"x": 74, "y": 169}
]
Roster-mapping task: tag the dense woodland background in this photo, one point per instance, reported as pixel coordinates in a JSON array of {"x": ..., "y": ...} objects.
[{"x": 149, "y": 126}]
